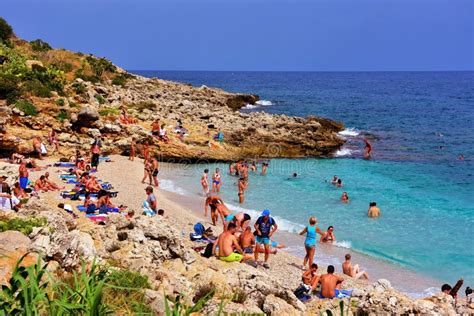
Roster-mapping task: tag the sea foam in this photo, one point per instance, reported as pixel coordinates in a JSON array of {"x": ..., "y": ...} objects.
[
  {"x": 349, "y": 132},
  {"x": 343, "y": 152},
  {"x": 264, "y": 102}
]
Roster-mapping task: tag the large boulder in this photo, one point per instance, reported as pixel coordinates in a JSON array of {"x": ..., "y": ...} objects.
[
  {"x": 87, "y": 117},
  {"x": 13, "y": 246}
]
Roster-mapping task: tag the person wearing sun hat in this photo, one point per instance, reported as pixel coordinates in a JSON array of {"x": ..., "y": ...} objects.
[{"x": 265, "y": 227}]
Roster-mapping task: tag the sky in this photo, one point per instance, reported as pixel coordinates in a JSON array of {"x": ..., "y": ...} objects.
[{"x": 256, "y": 35}]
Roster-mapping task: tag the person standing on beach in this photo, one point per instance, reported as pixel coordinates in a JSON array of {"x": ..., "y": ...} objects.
[
  {"x": 133, "y": 145},
  {"x": 146, "y": 151},
  {"x": 368, "y": 148},
  {"x": 216, "y": 181},
  {"x": 353, "y": 271},
  {"x": 265, "y": 228},
  {"x": 23, "y": 176},
  {"x": 242, "y": 186},
  {"x": 373, "y": 211},
  {"x": 310, "y": 242},
  {"x": 95, "y": 151},
  {"x": 147, "y": 171},
  {"x": 151, "y": 199},
  {"x": 205, "y": 183},
  {"x": 154, "y": 171},
  {"x": 213, "y": 201}
]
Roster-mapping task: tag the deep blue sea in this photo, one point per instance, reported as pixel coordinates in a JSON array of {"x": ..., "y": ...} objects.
[{"x": 419, "y": 124}]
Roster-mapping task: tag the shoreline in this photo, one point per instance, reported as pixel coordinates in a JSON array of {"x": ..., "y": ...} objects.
[{"x": 401, "y": 278}]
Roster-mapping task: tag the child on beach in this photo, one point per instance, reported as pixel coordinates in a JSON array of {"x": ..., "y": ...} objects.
[
  {"x": 310, "y": 241},
  {"x": 310, "y": 277}
]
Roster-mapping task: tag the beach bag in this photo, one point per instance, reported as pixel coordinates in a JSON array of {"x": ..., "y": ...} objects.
[
  {"x": 91, "y": 209},
  {"x": 208, "y": 251},
  {"x": 199, "y": 229}
]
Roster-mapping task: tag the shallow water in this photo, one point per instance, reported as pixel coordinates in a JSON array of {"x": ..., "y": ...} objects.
[{"x": 418, "y": 124}]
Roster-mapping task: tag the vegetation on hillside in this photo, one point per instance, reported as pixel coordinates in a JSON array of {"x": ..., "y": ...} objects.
[{"x": 35, "y": 69}]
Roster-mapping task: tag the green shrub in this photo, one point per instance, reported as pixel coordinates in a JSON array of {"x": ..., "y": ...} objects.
[
  {"x": 9, "y": 88},
  {"x": 24, "y": 226},
  {"x": 73, "y": 104},
  {"x": 239, "y": 296},
  {"x": 100, "y": 65},
  {"x": 6, "y": 30},
  {"x": 99, "y": 98},
  {"x": 26, "y": 107},
  {"x": 108, "y": 111},
  {"x": 80, "y": 74},
  {"x": 119, "y": 80},
  {"x": 64, "y": 66},
  {"x": 36, "y": 88},
  {"x": 79, "y": 87},
  {"x": 60, "y": 102},
  {"x": 140, "y": 106},
  {"x": 62, "y": 115},
  {"x": 40, "y": 46}
]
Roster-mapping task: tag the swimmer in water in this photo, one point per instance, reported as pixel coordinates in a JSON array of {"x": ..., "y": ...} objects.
[
  {"x": 339, "y": 183},
  {"x": 294, "y": 176},
  {"x": 204, "y": 182},
  {"x": 373, "y": 211},
  {"x": 216, "y": 181},
  {"x": 334, "y": 180},
  {"x": 344, "y": 197},
  {"x": 328, "y": 236},
  {"x": 368, "y": 148},
  {"x": 461, "y": 157},
  {"x": 264, "y": 169},
  {"x": 242, "y": 186}
]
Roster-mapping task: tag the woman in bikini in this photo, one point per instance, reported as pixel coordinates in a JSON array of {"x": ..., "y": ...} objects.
[
  {"x": 328, "y": 236},
  {"x": 216, "y": 181},
  {"x": 204, "y": 183},
  {"x": 147, "y": 171}
]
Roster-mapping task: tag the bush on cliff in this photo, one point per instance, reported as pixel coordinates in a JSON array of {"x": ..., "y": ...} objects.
[
  {"x": 6, "y": 31},
  {"x": 26, "y": 107},
  {"x": 24, "y": 226},
  {"x": 9, "y": 88},
  {"x": 119, "y": 80},
  {"x": 99, "y": 98},
  {"x": 40, "y": 46},
  {"x": 100, "y": 65}
]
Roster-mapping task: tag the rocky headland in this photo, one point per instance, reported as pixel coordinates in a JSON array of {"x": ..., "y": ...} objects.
[{"x": 81, "y": 96}]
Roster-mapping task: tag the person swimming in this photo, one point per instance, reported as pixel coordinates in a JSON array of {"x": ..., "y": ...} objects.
[
  {"x": 293, "y": 176},
  {"x": 328, "y": 236},
  {"x": 339, "y": 183},
  {"x": 344, "y": 197},
  {"x": 334, "y": 180}
]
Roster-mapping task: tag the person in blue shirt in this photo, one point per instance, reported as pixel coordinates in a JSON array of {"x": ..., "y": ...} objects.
[
  {"x": 310, "y": 242},
  {"x": 265, "y": 228}
]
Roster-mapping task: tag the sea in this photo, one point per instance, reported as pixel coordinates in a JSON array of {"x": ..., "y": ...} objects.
[{"x": 420, "y": 174}]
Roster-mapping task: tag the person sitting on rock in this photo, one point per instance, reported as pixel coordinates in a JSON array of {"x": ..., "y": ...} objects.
[
  {"x": 163, "y": 137},
  {"x": 330, "y": 284},
  {"x": 41, "y": 185},
  {"x": 247, "y": 240},
  {"x": 227, "y": 243},
  {"x": 310, "y": 277},
  {"x": 353, "y": 271},
  {"x": 51, "y": 185}
]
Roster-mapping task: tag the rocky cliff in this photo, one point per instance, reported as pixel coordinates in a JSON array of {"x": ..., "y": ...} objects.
[{"x": 81, "y": 96}]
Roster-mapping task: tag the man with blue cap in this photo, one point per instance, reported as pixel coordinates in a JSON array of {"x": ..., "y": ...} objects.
[{"x": 264, "y": 228}]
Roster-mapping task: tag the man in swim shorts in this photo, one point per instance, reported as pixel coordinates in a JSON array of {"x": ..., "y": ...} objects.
[
  {"x": 227, "y": 243},
  {"x": 330, "y": 283},
  {"x": 23, "y": 175},
  {"x": 353, "y": 271},
  {"x": 265, "y": 227},
  {"x": 247, "y": 240},
  {"x": 154, "y": 172}
]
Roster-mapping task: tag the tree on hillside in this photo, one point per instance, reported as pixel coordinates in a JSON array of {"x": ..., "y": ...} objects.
[{"x": 6, "y": 30}]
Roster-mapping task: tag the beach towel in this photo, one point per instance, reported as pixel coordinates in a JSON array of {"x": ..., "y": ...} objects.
[
  {"x": 147, "y": 210},
  {"x": 64, "y": 164}
]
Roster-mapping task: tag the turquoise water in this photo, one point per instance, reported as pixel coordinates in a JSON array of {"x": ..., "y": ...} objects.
[
  {"x": 418, "y": 122},
  {"x": 424, "y": 225}
]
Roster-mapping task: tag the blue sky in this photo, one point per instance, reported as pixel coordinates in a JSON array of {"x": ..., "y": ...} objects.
[{"x": 324, "y": 35}]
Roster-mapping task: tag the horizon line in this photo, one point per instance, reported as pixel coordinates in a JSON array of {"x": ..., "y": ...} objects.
[{"x": 200, "y": 70}]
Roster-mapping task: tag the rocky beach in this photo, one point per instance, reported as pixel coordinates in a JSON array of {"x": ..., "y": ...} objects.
[{"x": 81, "y": 97}]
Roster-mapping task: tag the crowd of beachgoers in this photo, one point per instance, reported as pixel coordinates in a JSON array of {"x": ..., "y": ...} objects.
[{"x": 240, "y": 241}]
